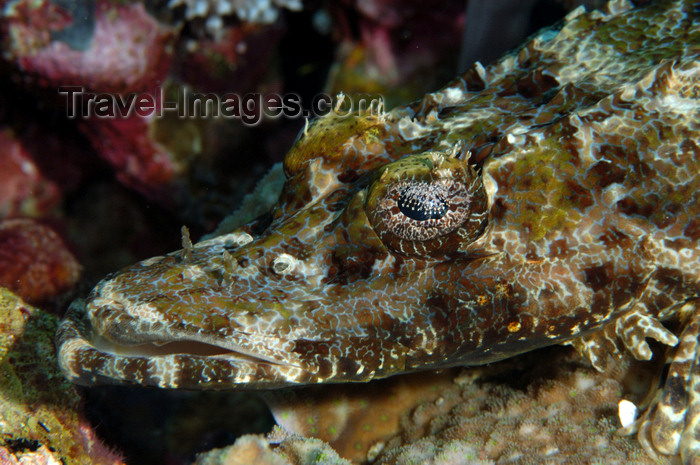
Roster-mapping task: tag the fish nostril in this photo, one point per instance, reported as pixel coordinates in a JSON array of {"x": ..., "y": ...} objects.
[{"x": 283, "y": 264}]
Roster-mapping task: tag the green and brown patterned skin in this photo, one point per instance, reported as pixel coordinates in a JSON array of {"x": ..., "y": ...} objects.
[{"x": 552, "y": 197}]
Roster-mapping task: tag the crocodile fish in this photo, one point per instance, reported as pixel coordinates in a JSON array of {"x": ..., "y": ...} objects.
[{"x": 551, "y": 197}]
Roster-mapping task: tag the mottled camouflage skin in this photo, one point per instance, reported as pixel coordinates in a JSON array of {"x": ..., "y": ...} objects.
[{"x": 568, "y": 173}]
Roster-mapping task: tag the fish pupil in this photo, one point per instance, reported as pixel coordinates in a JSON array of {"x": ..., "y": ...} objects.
[{"x": 422, "y": 201}]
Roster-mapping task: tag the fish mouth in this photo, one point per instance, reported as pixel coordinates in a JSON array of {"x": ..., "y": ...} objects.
[
  {"x": 89, "y": 355},
  {"x": 189, "y": 347}
]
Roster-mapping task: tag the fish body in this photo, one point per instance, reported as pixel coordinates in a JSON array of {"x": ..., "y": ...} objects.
[{"x": 551, "y": 197}]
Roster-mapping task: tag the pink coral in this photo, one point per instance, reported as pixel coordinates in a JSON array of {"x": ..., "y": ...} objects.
[
  {"x": 126, "y": 52},
  {"x": 34, "y": 261},
  {"x": 24, "y": 190}
]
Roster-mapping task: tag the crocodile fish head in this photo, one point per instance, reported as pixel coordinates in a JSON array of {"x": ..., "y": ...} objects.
[
  {"x": 533, "y": 202},
  {"x": 337, "y": 283}
]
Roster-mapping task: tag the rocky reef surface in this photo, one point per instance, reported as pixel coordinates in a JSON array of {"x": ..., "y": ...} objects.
[
  {"x": 40, "y": 417},
  {"x": 519, "y": 411}
]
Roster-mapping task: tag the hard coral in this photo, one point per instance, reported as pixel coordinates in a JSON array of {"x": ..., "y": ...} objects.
[
  {"x": 247, "y": 450},
  {"x": 294, "y": 450},
  {"x": 519, "y": 412}
]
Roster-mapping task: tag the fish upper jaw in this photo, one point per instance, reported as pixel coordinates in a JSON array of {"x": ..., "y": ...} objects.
[
  {"x": 177, "y": 323},
  {"x": 108, "y": 352}
]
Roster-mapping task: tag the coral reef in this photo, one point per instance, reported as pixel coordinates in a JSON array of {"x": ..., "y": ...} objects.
[
  {"x": 525, "y": 412},
  {"x": 252, "y": 11},
  {"x": 292, "y": 450},
  {"x": 353, "y": 421},
  {"x": 125, "y": 50},
  {"x": 518, "y": 412},
  {"x": 34, "y": 261},
  {"x": 23, "y": 188},
  {"x": 125, "y": 79},
  {"x": 126, "y": 53},
  {"x": 39, "y": 165},
  {"x": 39, "y": 422},
  {"x": 395, "y": 46},
  {"x": 236, "y": 60}
]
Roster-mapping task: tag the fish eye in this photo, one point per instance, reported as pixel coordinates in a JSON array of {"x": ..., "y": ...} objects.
[
  {"x": 427, "y": 205},
  {"x": 419, "y": 210},
  {"x": 421, "y": 201}
]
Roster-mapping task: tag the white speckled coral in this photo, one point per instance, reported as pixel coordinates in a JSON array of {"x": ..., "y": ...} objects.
[{"x": 254, "y": 11}]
